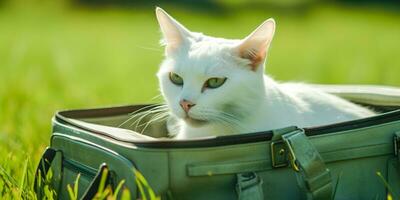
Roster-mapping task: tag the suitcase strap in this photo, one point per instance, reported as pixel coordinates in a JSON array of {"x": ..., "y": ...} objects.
[
  {"x": 249, "y": 186},
  {"x": 312, "y": 175}
]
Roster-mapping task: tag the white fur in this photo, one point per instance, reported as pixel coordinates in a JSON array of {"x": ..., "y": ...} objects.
[{"x": 251, "y": 100}]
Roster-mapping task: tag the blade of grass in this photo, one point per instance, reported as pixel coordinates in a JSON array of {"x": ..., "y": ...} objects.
[
  {"x": 126, "y": 195},
  {"x": 388, "y": 187},
  {"x": 102, "y": 185},
  {"x": 103, "y": 180},
  {"x": 141, "y": 181},
  {"x": 48, "y": 192},
  {"x": 141, "y": 191},
  {"x": 73, "y": 193},
  {"x": 107, "y": 192},
  {"x": 76, "y": 184},
  {"x": 118, "y": 188},
  {"x": 23, "y": 178},
  {"x": 70, "y": 192},
  {"x": 38, "y": 182},
  {"x": 10, "y": 181},
  {"x": 389, "y": 197}
]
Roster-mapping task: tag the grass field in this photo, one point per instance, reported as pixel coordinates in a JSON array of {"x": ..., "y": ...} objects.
[{"x": 61, "y": 57}]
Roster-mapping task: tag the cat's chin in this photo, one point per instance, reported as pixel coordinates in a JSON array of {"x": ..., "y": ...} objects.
[{"x": 195, "y": 122}]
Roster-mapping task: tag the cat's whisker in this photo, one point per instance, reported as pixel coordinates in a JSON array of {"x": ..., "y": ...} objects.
[
  {"x": 145, "y": 114},
  {"x": 155, "y": 97},
  {"x": 142, "y": 116},
  {"x": 236, "y": 122},
  {"x": 153, "y": 106},
  {"x": 233, "y": 126},
  {"x": 133, "y": 114},
  {"x": 230, "y": 119},
  {"x": 226, "y": 122},
  {"x": 232, "y": 123},
  {"x": 156, "y": 118}
]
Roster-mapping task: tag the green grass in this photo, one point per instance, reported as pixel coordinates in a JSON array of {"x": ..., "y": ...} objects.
[{"x": 61, "y": 57}]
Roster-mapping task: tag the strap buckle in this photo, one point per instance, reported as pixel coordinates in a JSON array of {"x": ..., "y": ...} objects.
[
  {"x": 292, "y": 158},
  {"x": 282, "y": 154},
  {"x": 279, "y": 155}
]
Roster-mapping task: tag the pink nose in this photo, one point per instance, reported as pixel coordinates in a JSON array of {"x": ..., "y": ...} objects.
[{"x": 186, "y": 105}]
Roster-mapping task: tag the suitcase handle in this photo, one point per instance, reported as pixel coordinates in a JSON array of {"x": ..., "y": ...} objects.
[
  {"x": 45, "y": 161},
  {"x": 44, "y": 167}
]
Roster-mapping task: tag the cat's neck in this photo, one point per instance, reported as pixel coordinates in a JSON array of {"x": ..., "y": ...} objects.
[
  {"x": 276, "y": 96},
  {"x": 277, "y": 103}
]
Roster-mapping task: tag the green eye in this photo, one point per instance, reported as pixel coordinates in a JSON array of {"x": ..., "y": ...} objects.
[
  {"x": 215, "y": 82},
  {"x": 175, "y": 79}
]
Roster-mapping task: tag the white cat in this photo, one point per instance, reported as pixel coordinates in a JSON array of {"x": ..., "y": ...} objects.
[{"x": 215, "y": 86}]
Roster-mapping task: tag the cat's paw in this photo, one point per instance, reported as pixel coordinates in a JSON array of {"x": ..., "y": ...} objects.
[{"x": 172, "y": 126}]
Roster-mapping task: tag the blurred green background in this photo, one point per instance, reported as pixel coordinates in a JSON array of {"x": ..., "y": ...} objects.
[{"x": 60, "y": 54}]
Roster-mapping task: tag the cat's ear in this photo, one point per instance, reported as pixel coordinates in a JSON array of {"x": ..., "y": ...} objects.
[
  {"x": 254, "y": 47},
  {"x": 174, "y": 33}
]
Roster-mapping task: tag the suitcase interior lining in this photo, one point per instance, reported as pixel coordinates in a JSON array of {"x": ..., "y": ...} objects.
[{"x": 107, "y": 122}]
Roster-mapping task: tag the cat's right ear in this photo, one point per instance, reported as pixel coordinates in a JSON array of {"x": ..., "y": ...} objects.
[
  {"x": 255, "y": 46},
  {"x": 174, "y": 33}
]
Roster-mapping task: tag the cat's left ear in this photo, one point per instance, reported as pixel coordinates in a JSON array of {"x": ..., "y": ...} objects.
[
  {"x": 174, "y": 33},
  {"x": 254, "y": 47}
]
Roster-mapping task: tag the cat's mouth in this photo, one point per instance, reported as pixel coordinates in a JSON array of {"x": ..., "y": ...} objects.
[{"x": 195, "y": 122}]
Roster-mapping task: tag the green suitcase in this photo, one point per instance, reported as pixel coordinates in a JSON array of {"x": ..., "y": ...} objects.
[{"x": 338, "y": 161}]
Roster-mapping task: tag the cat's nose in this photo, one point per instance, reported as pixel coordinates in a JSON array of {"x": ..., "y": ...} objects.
[{"x": 186, "y": 105}]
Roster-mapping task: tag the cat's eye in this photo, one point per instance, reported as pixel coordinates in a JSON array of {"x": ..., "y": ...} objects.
[
  {"x": 215, "y": 82},
  {"x": 175, "y": 78}
]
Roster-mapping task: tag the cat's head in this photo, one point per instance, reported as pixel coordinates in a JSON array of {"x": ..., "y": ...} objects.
[{"x": 207, "y": 80}]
